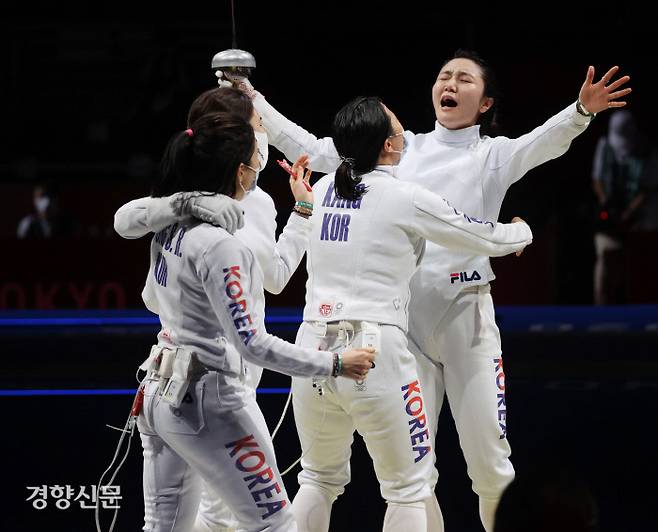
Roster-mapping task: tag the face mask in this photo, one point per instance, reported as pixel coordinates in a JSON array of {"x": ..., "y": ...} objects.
[
  {"x": 255, "y": 182},
  {"x": 41, "y": 204},
  {"x": 263, "y": 148},
  {"x": 404, "y": 149}
]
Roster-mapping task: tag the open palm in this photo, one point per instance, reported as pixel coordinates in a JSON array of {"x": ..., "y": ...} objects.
[{"x": 599, "y": 96}]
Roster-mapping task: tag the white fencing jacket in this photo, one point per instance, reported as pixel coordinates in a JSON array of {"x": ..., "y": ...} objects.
[
  {"x": 473, "y": 173},
  {"x": 363, "y": 253},
  {"x": 277, "y": 259},
  {"x": 206, "y": 287}
]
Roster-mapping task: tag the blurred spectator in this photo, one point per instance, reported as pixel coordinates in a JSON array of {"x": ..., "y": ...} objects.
[
  {"x": 617, "y": 179},
  {"x": 547, "y": 500},
  {"x": 46, "y": 220},
  {"x": 648, "y": 218}
]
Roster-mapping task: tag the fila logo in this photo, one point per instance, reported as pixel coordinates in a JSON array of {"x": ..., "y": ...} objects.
[{"x": 463, "y": 277}]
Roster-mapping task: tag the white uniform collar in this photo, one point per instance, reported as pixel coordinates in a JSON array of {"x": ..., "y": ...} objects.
[
  {"x": 387, "y": 169},
  {"x": 457, "y": 137}
]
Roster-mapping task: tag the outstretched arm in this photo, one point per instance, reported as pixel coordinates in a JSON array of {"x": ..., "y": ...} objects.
[
  {"x": 142, "y": 216},
  {"x": 286, "y": 136},
  {"x": 511, "y": 159},
  {"x": 436, "y": 220},
  {"x": 150, "y": 215},
  {"x": 227, "y": 276},
  {"x": 293, "y": 140}
]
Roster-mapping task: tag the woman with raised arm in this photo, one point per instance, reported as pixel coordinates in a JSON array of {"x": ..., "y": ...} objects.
[{"x": 452, "y": 328}]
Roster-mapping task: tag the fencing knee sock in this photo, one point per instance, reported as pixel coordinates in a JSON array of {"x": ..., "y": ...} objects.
[
  {"x": 312, "y": 509},
  {"x": 488, "y": 513},
  {"x": 434, "y": 515},
  {"x": 405, "y": 517}
]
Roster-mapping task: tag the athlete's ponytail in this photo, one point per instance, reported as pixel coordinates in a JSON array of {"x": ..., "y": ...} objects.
[
  {"x": 206, "y": 157},
  {"x": 346, "y": 183},
  {"x": 359, "y": 132}
]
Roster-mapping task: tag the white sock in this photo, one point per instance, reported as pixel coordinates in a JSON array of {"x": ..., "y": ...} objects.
[
  {"x": 488, "y": 513},
  {"x": 434, "y": 515},
  {"x": 405, "y": 517},
  {"x": 312, "y": 509}
]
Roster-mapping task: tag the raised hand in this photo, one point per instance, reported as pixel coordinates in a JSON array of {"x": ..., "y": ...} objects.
[
  {"x": 599, "y": 96},
  {"x": 299, "y": 180},
  {"x": 517, "y": 220},
  {"x": 228, "y": 79}
]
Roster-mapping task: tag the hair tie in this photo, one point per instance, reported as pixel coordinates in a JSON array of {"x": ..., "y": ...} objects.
[
  {"x": 189, "y": 132},
  {"x": 348, "y": 160}
]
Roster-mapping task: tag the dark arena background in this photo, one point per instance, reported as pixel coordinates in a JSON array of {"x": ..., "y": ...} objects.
[{"x": 87, "y": 104}]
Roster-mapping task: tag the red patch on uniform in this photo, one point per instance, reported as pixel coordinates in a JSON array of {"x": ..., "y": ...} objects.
[{"x": 326, "y": 309}]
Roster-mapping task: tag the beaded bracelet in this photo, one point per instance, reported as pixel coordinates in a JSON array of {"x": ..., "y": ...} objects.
[
  {"x": 303, "y": 210},
  {"x": 304, "y": 204},
  {"x": 302, "y": 214}
]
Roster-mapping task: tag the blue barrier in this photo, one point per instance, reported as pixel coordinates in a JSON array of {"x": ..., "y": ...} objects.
[
  {"x": 109, "y": 318},
  {"x": 509, "y": 318}
]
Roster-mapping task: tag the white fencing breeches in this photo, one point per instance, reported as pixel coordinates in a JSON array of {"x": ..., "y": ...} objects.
[
  {"x": 217, "y": 435},
  {"x": 457, "y": 344},
  {"x": 388, "y": 410}
]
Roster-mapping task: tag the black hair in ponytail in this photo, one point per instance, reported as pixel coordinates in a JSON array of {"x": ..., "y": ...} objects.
[
  {"x": 360, "y": 129},
  {"x": 206, "y": 157}
]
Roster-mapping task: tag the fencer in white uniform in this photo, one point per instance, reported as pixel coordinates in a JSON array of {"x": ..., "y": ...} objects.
[
  {"x": 277, "y": 260},
  {"x": 252, "y": 220},
  {"x": 362, "y": 254},
  {"x": 200, "y": 420},
  {"x": 452, "y": 329},
  {"x": 361, "y": 257}
]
